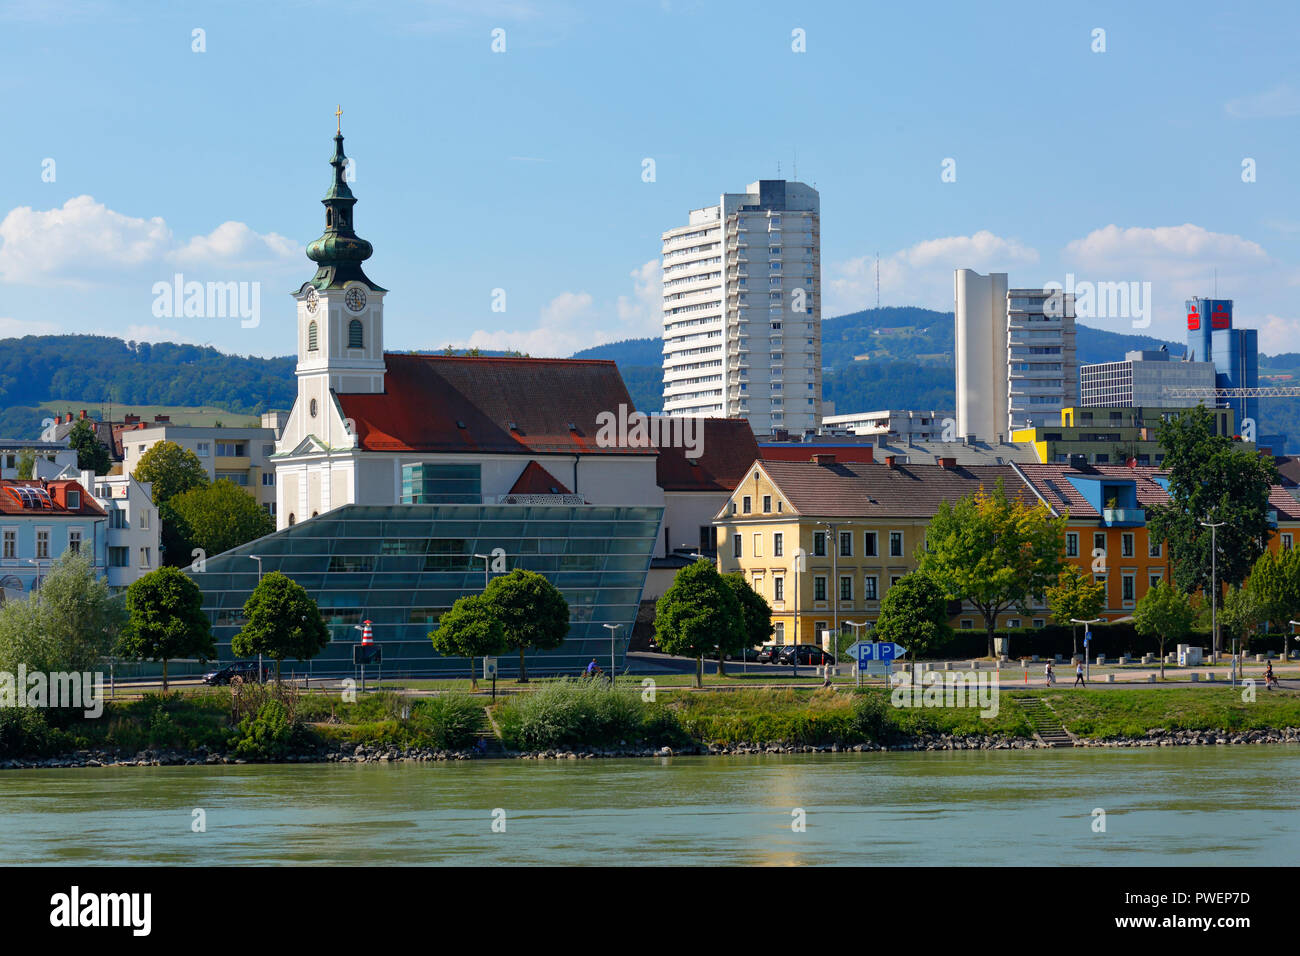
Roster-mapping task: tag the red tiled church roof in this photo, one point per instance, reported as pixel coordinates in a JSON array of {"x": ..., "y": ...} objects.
[{"x": 502, "y": 405}]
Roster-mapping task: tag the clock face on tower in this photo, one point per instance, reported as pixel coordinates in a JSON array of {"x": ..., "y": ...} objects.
[
  {"x": 312, "y": 299},
  {"x": 355, "y": 299}
]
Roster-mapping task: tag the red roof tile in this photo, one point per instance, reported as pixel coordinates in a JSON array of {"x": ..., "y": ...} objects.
[
  {"x": 490, "y": 404},
  {"x": 727, "y": 449},
  {"x": 857, "y": 490},
  {"x": 803, "y": 451},
  {"x": 536, "y": 480},
  {"x": 11, "y": 501}
]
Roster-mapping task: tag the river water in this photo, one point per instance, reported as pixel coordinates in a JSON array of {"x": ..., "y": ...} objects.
[{"x": 1175, "y": 806}]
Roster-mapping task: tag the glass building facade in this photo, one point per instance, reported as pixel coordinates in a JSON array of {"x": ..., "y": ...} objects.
[{"x": 402, "y": 566}]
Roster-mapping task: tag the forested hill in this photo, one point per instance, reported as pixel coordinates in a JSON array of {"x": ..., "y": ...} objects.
[{"x": 98, "y": 369}]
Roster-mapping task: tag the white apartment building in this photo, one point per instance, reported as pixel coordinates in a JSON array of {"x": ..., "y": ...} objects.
[
  {"x": 50, "y": 459},
  {"x": 133, "y": 528},
  {"x": 1015, "y": 355},
  {"x": 237, "y": 453},
  {"x": 742, "y": 309}
]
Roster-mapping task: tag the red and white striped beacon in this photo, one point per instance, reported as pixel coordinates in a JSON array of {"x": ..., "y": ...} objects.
[{"x": 367, "y": 635}]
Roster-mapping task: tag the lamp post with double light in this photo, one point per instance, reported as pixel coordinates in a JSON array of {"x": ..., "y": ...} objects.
[{"x": 1214, "y": 584}]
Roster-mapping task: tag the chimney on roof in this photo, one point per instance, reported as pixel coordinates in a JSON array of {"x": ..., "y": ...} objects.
[
  {"x": 823, "y": 459},
  {"x": 891, "y": 461},
  {"x": 947, "y": 464},
  {"x": 162, "y": 419},
  {"x": 83, "y": 414},
  {"x": 131, "y": 420}
]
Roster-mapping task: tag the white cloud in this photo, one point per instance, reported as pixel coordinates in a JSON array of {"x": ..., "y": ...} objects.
[
  {"x": 16, "y": 328},
  {"x": 83, "y": 241},
  {"x": 1179, "y": 262},
  {"x": 920, "y": 274},
  {"x": 573, "y": 321},
  {"x": 235, "y": 244},
  {"x": 1279, "y": 102}
]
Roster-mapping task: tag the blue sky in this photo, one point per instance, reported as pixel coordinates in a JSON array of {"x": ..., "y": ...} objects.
[{"x": 522, "y": 170}]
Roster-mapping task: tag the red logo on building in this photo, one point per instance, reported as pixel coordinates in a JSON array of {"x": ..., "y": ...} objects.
[{"x": 1193, "y": 320}]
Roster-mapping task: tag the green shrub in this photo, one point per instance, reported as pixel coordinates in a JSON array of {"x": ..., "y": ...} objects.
[
  {"x": 26, "y": 733},
  {"x": 267, "y": 736},
  {"x": 575, "y": 713}
]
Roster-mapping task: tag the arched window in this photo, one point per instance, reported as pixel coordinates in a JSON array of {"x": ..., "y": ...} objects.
[
  {"x": 329, "y": 218},
  {"x": 311, "y": 337},
  {"x": 355, "y": 339}
]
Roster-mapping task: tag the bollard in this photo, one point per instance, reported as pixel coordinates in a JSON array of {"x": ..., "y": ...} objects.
[
  {"x": 1101, "y": 660},
  {"x": 1110, "y": 678},
  {"x": 1151, "y": 678},
  {"x": 1193, "y": 675},
  {"x": 1209, "y": 677},
  {"x": 947, "y": 665}
]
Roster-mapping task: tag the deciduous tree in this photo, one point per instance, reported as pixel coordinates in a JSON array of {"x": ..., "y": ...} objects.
[
  {"x": 281, "y": 620},
  {"x": 756, "y": 617},
  {"x": 994, "y": 552},
  {"x": 532, "y": 611},
  {"x": 470, "y": 629},
  {"x": 166, "y": 620},
  {"x": 698, "y": 613},
  {"x": 914, "y": 615},
  {"x": 1166, "y": 612}
]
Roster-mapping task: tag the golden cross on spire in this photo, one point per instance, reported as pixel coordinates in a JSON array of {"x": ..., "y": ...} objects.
[{"x": 338, "y": 115}]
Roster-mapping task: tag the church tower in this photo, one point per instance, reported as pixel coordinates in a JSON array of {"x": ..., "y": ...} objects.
[
  {"x": 340, "y": 311},
  {"x": 340, "y": 352}
]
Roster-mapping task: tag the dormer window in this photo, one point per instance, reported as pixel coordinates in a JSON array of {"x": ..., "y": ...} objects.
[
  {"x": 74, "y": 500},
  {"x": 311, "y": 337}
]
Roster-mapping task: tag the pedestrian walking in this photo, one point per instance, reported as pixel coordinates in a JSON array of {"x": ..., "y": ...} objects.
[
  {"x": 1078, "y": 675},
  {"x": 1051, "y": 674}
]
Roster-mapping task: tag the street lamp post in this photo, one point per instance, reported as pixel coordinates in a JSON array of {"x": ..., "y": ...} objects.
[
  {"x": 1214, "y": 583},
  {"x": 834, "y": 544},
  {"x": 613, "y": 630},
  {"x": 1087, "y": 670},
  {"x": 473, "y": 674},
  {"x": 800, "y": 564},
  {"x": 37, "y": 564},
  {"x": 258, "y": 559}
]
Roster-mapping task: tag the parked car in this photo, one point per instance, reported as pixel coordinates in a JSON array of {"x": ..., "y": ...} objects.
[
  {"x": 750, "y": 654},
  {"x": 245, "y": 670},
  {"x": 809, "y": 655},
  {"x": 767, "y": 653}
]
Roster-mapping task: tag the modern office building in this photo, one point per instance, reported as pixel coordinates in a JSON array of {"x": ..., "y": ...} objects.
[
  {"x": 1015, "y": 355},
  {"x": 1102, "y": 435},
  {"x": 401, "y": 566},
  {"x": 895, "y": 424},
  {"x": 1141, "y": 381},
  {"x": 1234, "y": 352},
  {"x": 742, "y": 309}
]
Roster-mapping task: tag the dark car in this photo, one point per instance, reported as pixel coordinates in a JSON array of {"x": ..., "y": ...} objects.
[
  {"x": 810, "y": 655},
  {"x": 748, "y": 654},
  {"x": 244, "y": 670},
  {"x": 767, "y": 653}
]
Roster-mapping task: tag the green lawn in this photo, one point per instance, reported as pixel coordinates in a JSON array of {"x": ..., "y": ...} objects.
[{"x": 1131, "y": 713}]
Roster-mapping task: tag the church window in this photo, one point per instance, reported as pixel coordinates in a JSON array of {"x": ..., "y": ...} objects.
[
  {"x": 355, "y": 340},
  {"x": 311, "y": 337},
  {"x": 329, "y": 218}
]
